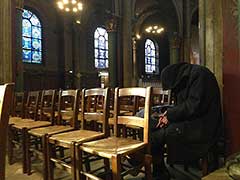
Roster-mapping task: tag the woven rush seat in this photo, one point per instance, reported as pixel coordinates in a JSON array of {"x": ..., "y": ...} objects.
[
  {"x": 50, "y": 130},
  {"x": 15, "y": 120},
  {"x": 30, "y": 125},
  {"x": 64, "y": 139},
  {"x": 112, "y": 146}
]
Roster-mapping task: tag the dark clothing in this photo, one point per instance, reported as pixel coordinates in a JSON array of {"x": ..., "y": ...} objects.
[{"x": 195, "y": 120}]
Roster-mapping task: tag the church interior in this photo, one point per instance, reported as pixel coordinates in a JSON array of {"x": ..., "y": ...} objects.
[{"x": 73, "y": 45}]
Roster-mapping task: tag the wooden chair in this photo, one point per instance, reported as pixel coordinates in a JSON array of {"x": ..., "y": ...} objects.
[
  {"x": 6, "y": 94},
  {"x": 21, "y": 127},
  {"x": 116, "y": 147},
  {"x": 69, "y": 139},
  {"x": 47, "y": 113}
]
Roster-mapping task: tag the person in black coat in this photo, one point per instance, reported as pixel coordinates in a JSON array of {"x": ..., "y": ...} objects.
[{"x": 193, "y": 124}]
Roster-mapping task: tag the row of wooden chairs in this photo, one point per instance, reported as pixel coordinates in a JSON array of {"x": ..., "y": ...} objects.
[{"x": 52, "y": 130}]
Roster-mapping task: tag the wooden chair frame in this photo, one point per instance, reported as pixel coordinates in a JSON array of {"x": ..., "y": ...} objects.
[
  {"x": 69, "y": 139},
  {"x": 116, "y": 147},
  {"x": 6, "y": 94}
]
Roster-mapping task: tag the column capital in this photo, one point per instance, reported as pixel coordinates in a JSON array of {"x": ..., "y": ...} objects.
[
  {"x": 176, "y": 41},
  {"x": 19, "y": 4},
  {"x": 112, "y": 24}
]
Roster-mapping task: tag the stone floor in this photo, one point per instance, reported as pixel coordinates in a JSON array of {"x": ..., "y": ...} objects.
[{"x": 14, "y": 172}]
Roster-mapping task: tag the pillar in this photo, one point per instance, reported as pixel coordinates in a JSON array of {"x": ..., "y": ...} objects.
[
  {"x": 186, "y": 30},
  {"x": 111, "y": 26},
  {"x": 18, "y": 59},
  {"x": 135, "y": 65},
  {"x": 127, "y": 43},
  {"x": 211, "y": 37},
  {"x": 6, "y": 45},
  {"x": 174, "y": 49}
]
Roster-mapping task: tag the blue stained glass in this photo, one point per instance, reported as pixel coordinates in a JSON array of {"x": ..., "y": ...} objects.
[
  {"x": 26, "y": 43},
  {"x": 101, "y": 48},
  {"x": 36, "y": 44},
  {"x": 151, "y": 57},
  {"x": 26, "y": 28},
  {"x": 35, "y": 21},
  {"x": 36, "y": 32},
  {"x": 26, "y": 14},
  {"x": 31, "y": 38},
  {"x": 102, "y": 42},
  {"x": 27, "y": 56},
  {"x": 36, "y": 57}
]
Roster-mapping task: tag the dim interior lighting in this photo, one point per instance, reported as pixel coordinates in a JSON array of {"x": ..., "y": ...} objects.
[
  {"x": 70, "y": 5},
  {"x": 78, "y": 21},
  {"x": 154, "y": 29}
]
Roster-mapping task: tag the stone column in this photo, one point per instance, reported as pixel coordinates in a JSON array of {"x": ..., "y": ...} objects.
[
  {"x": 135, "y": 65},
  {"x": 174, "y": 49},
  {"x": 186, "y": 30},
  {"x": 6, "y": 48},
  {"x": 127, "y": 43},
  {"x": 111, "y": 26},
  {"x": 211, "y": 37},
  {"x": 18, "y": 59}
]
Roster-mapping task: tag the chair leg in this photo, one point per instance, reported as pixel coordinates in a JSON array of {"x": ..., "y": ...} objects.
[
  {"x": 116, "y": 167},
  {"x": 24, "y": 132},
  {"x": 45, "y": 157},
  {"x": 28, "y": 153},
  {"x": 10, "y": 145},
  {"x": 205, "y": 166},
  {"x": 147, "y": 163},
  {"x": 50, "y": 164},
  {"x": 79, "y": 164},
  {"x": 73, "y": 161}
]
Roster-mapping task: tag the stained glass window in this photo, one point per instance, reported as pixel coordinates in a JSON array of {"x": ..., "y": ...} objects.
[
  {"x": 151, "y": 58},
  {"x": 101, "y": 48},
  {"x": 31, "y": 38}
]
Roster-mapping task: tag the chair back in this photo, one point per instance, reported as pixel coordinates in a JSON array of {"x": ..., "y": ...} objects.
[
  {"x": 95, "y": 106},
  {"x": 125, "y": 119},
  {"x": 17, "y": 109},
  {"x": 161, "y": 97},
  {"x": 68, "y": 107},
  {"x": 6, "y": 95},
  {"x": 48, "y": 101},
  {"x": 32, "y": 105}
]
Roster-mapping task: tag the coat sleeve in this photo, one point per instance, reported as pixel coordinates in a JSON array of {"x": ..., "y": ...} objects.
[{"x": 195, "y": 103}]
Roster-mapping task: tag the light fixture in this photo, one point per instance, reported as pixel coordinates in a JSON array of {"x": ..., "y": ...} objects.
[
  {"x": 70, "y": 5},
  {"x": 155, "y": 29},
  {"x": 138, "y": 36}
]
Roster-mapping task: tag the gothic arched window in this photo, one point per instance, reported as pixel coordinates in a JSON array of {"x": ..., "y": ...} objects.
[
  {"x": 31, "y": 38},
  {"x": 151, "y": 57},
  {"x": 101, "y": 48}
]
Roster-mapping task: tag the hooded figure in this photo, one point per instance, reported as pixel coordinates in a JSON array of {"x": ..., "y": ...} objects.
[{"x": 194, "y": 123}]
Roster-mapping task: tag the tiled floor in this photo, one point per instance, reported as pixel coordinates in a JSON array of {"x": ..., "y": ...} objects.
[{"x": 14, "y": 172}]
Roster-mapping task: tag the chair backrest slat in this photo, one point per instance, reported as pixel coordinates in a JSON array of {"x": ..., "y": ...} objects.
[
  {"x": 98, "y": 99},
  {"x": 123, "y": 119},
  {"x": 32, "y": 105},
  {"x": 47, "y": 105},
  {"x": 68, "y": 105}
]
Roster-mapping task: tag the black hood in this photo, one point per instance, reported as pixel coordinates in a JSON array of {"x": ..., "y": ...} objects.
[{"x": 173, "y": 75}]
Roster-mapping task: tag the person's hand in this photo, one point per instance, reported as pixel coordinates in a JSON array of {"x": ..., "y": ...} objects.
[{"x": 162, "y": 121}]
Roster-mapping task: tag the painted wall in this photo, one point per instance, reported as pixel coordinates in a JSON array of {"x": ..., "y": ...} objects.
[{"x": 231, "y": 75}]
